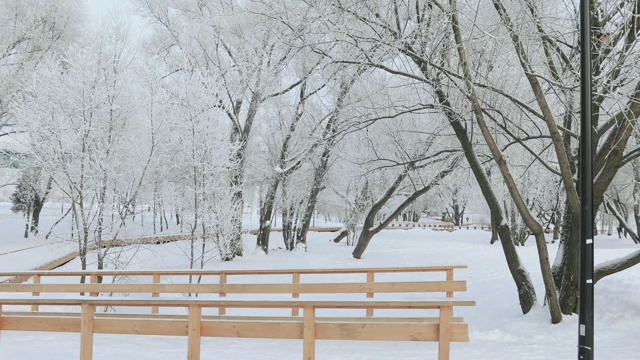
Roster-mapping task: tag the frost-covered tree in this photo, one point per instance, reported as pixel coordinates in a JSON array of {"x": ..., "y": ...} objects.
[
  {"x": 242, "y": 59},
  {"x": 198, "y": 168},
  {"x": 30, "y": 31},
  {"x": 29, "y": 197},
  {"x": 414, "y": 40},
  {"x": 79, "y": 111}
]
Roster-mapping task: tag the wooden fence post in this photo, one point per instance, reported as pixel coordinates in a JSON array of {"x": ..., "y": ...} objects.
[
  {"x": 370, "y": 280},
  {"x": 223, "y": 280},
  {"x": 156, "y": 280},
  {"x": 193, "y": 342},
  {"x": 86, "y": 331},
  {"x": 449, "y": 278},
  {"x": 93, "y": 280},
  {"x": 36, "y": 280},
  {"x": 296, "y": 280},
  {"x": 444, "y": 337},
  {"x": 309, "y": 333}
]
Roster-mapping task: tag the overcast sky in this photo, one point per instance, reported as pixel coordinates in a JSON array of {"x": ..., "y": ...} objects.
[{"x": 100, "y": 8}]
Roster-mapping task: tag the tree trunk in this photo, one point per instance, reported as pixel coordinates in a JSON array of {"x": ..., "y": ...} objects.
[
  {"x": 287, "y": 227},
  {"x": 38, "y": 204},
  {"x": 567, "y": 264},
  {"x": 636, "y": 193},
  {"x": 266, "y": 211},
  {"x": 316, "y": 188},
  {"x": 494, "y": 230},
  {"x": 530, "y": 221},
  {"x": 368, "y": 229},
  {"x": 329, "y": 138},
  {"x": 623, "y": 223},
  {"x": 341, "y": 235},
  {"x": 526, "y": 290}
]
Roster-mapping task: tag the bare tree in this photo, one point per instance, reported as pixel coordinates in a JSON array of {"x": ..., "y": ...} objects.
[
  {"x": 414, "y": 41},
  {"x": 243, "y": 59},
  {"x": 78, "y": 110},
  {"x": 30, "y": 31}
]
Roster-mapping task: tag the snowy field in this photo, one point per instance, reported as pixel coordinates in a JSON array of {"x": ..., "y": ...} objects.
[{"x": 498, "y": 330}]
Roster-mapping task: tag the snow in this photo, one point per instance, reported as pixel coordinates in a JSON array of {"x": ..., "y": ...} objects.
[{"x": 498, "y": 330}]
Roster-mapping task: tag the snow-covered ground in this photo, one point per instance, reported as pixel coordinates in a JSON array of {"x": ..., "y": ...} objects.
[{"x": 498, "y": 330}]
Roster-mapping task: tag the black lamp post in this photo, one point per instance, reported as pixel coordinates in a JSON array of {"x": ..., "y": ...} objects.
[{"x": 585, "y": 332}]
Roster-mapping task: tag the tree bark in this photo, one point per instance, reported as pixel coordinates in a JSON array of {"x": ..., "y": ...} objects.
[
  {"x": 341, "y": 235},
  {"x": 266, "y": 211},
  {"x": 329, "y": 137}
]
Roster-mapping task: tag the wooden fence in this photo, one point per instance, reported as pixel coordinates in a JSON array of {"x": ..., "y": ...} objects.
[
  {"x": 223, "y": 287},
  {"x": 444, "y": 328}
]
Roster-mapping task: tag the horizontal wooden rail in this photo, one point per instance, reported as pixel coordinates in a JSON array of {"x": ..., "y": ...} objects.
[
  {"x": 239, "y": 303},
  {"x": 306, "y": 288},
  {"x": 42, "y": 314},
  {"x": 295, "y": 287},
  {"x": 212, "y": 272},
  {"x": 309, "y": 329}
]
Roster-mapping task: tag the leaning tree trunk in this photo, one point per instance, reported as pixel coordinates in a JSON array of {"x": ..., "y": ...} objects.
[
  {"x": 524, "y": 285},
  {"x": 368, "y": 229},
  {"x": 494, "y": 230},
  {"x": 341, "y": 235},
  {"x": 530, "y": 221},
  {"x": 329, "y": 138}
]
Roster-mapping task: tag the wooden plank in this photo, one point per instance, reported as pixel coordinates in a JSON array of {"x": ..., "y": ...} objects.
[
  {"x": 255, "y": 304},
  {"x": 234, "y": 272},
  {"x": 36, "y": 280},
  {"x": 86, "y": 332},
  {"x": 309, "y": 333},
  {"x": 133, "y": 326},
  {"x": 295, "y": 280},
  {"x": 288, "y": 328},
  {"x": 444, "y": 333},
  {"x": 93, "y": 279},
  {"x": 208, "y": 328},
  {"x": 231, "y": 317},
  {"x": 370, "y": 279},
  {"x": 156, "y": 280},
  {"x": 388, "y": 331},
  {"x": 41, "y": 323},
  {"x": 223, "y": 289},
  {"x": 450, "y": 278},
  {"x": 193, "y": 341},
  {"x": 222, "y": 279},
  {"x": 285, "y": 329}
]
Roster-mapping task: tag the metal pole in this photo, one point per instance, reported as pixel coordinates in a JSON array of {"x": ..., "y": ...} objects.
[{"x": 585, "y": 338}]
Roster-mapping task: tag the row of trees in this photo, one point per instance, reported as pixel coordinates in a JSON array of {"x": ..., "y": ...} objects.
[{"x": 353, "y": 109}]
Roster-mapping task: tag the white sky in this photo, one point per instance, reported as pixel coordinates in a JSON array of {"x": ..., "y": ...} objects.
[{"x": 100, "y": 8}]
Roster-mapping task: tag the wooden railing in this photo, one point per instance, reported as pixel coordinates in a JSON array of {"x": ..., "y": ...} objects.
[
  {"x": 444, "y": 328},
  {"x": 369, "y": 286}
]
